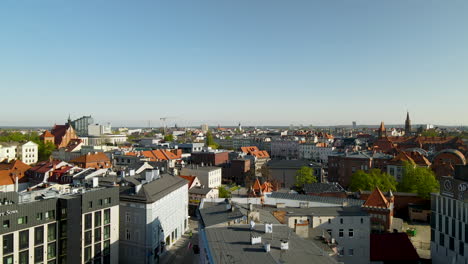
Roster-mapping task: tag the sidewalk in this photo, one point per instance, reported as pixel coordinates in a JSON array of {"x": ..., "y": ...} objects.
[{"x": 179, "y": 252}]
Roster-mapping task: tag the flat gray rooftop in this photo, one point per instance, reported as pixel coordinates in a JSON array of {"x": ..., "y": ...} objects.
[{"x": 232, "y": 245}]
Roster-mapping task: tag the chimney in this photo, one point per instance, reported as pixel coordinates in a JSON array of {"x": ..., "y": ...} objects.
[
  {"x": 138, "y": 188},
  {"x": 16, "y": 183}
]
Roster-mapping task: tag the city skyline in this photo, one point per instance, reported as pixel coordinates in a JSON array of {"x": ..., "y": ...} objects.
[{"x": 219, "y": 62}]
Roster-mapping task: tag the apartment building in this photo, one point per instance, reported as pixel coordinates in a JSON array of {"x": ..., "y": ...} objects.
[{"x": 79, "y": 225}]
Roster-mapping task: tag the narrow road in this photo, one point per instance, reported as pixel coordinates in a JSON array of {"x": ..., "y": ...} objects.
[{"x": 180, "y": 253}]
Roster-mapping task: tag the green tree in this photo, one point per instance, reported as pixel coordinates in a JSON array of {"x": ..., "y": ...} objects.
[
  {"x": 418, "y": 180},
  {"x": 305, "y": 175},
  {"x": 168, "y": 138},
  {"x": 223, "y": 193},
  {"x": 210, "y": 140},
  {"x": 45, "y": 150},
  {"x": 367, "y": 181},
  {"x": 430, "y": 133}
]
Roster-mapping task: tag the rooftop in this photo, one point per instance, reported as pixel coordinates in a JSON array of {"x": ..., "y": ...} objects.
[{"x": 232, "y": 245}]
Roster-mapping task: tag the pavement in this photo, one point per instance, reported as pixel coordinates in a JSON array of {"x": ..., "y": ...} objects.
[
  {"x": 180, "y": 253},
  {"x": 422, "y": 240}
]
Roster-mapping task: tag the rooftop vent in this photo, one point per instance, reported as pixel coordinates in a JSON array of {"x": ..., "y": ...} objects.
[{"x": 284, "y": 245}]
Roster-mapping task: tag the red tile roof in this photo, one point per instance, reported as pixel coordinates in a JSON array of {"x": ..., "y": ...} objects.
[
  {"x": 10, "y": 170},
  {"x": 392, "y": 247},
  {"x": 91, "y": 158},
  {"x": 191, "y": 179},
  {"x": 377, "y": 199}
]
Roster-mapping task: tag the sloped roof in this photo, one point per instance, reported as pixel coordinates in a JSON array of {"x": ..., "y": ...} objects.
[
  {"x": 46, "y": 134},
  {"x": 10, "y": 170},
  {"x": 190, "y": 179},
  {"x": 323, "y": 187},
  {"x": 392, "y": 247},
  {"x": 92, "y": 157},
  {"x": 377, "y": 199}
]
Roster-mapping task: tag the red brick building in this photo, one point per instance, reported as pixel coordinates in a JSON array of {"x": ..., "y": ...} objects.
[{"x": 210, "y": 158}]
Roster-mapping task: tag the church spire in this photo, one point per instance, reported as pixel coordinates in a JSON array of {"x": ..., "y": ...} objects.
[{"x": 407, "y": 125}]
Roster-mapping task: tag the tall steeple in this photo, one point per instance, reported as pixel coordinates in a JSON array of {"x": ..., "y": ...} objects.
[
  {"x": 407, "y": 125},
  {"x": 382, "y": 131}
]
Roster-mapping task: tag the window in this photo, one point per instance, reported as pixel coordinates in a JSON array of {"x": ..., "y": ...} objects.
[
  {"x": 88, "y": 221},
  {"x": 106, "y": 247},
  {"x": 97, "y": 219},
  {"x": 38, "y": 235},
  {"x": 88, "y": 237},
  {"x": 7, "y": 244},
  {"x": 350, "y": 252},
  {"x": 22, "y": 220},
  {"x": 127, "y": 217},
  {"x": 51, "y": 232},
  {"x": 107, "y": 232},
  {"x": 6, "y": 223},
  {"x": 63, "y": 246},
  {"x": 8, "y": 260},
  {"x": 51, "y": 250},
  {"x": 107, "y": 216},
  {"x": 50, "y": 215},
  {"x": 38, "y": 254},
  {"x": 63, "y": 229},
  {"x": 23, "y": 239},
  {"x": 341, "y": 233},
  {"x": 63, "y": 213},
  {"x": 87, "y": 253},
  {"x": 351, "y": 232},
  {"x": 97, "y": 250},
  {"x": 97, "y": 234},
  {"x": 39, "y": 216},
  {"x": 24, "y": 257}
]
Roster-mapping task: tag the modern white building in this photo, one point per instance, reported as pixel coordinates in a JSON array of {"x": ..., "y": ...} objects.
[
  {"x": 153, "y": 215},
  {"x": 8, "y": 150},
  {"x": 209, "y": 176},
  {"x": 313, "y": 151},
  {"x": 28, "y": 152}
]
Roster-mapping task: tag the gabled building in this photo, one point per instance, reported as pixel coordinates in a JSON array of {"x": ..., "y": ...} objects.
[
  {"x": 153, "y": 215},
  {"x": 380, "y": 209},
  {"x": 97, "y": 160},
  {"x": 60, "y": 135},
  {"x": 13, "y": 176}
]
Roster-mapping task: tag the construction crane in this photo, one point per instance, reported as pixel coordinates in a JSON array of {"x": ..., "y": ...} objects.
[{"x": 163, "y": 119}]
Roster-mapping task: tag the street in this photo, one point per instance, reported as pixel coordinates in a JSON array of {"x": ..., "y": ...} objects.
[{"x": 179, "y": 252}]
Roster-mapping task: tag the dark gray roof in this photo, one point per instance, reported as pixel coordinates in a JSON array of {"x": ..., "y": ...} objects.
[
  {"x": 198, "y": 190},
  {"x": 291, "y": 164},
  {"x": 323, "y": 187},
  {"x": 319, "y": 199},
  {"x": 151, "y": 191},
  {"x": 217, "y": 213},
  {"x": 321, "y": 211},
  {"x": 232, "y": 245}
]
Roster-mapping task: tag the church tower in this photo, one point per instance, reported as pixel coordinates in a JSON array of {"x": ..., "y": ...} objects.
[
  {"x": 382, "y": 131},
  {"x": 407, "y": 125}
]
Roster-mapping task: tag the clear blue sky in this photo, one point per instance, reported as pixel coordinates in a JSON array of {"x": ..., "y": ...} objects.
[{"x": 222, "y": 61}]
